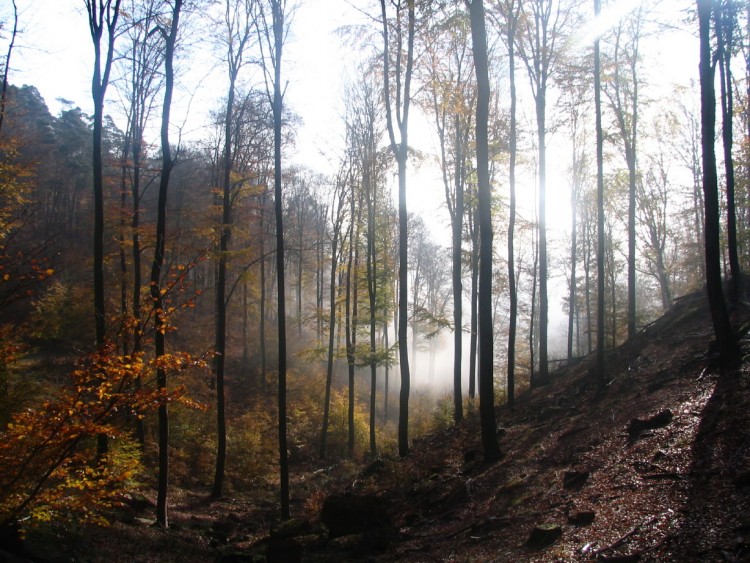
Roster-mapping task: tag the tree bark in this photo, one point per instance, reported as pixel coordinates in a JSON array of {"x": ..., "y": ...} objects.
[
  {"x": 600, "y": 258},
  {"x": 400, "y": 151},
  {"x": 160, "y": 322},
  {"x": 725, "y": 338},
  {"x": 486, "y": 355}
]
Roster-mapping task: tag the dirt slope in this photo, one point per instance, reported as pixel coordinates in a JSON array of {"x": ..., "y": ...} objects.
[{"x": 672, "y": 486}]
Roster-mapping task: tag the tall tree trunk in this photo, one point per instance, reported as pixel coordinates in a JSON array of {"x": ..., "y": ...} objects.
[
  {"x": 157, "y": 297},
  {"x": 541, "y": 119},
  {"x": 486, "y": 355},
  {"x": 400, "y": 150},
  {"x": 221, "y": 297},
  {"x": 277, "y": 9},
  {"x": 512, "y": 16},
  {"x": 6, "y": 70},
  {"x": 724, "y": 18},
  {"x": 262, "y": 313},
  {"x": 331, "y": 329},
  {"x": 350, "y": 326},
  {"x": 599, "y": 210},
  {"x": 102, "y": 15},
  {"x": 474, "y": 303},
  {"x": 371, "y": 294},
  {"x": 725, "y": 337}
]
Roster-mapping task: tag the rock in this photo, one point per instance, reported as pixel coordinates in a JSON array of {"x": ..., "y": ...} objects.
[
  {"x": 574, "y": 480},
  {"x": 291, "y": 528},
  {"x": 284, "y": 550},
  {"x": 137, "y": 502},
  {"x": 659, "y": 420},
  {"x": 351, "y": 514},
  {"x": 582, "y": 518},
  {"x": 544, "y": 535},
  {"x": 742, "y": 480},
  {"x": 375, "y": 468}
]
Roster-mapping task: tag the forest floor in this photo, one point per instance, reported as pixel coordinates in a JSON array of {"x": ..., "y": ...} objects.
[{"x": 654, "y": 468}]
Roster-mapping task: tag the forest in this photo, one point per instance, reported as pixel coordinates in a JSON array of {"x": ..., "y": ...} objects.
[{"x": 208, "y": 316}]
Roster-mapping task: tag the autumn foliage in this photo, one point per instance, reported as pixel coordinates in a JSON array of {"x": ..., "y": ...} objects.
[{"x": 48, "y": 463}]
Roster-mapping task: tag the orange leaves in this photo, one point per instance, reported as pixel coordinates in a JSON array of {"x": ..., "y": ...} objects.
[{"x": 48, "y": 463}]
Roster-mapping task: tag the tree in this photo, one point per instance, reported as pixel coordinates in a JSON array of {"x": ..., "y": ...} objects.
[
  {"x": 272, "y": 29},
  {"x": 141, "y": 62},
  {"x": 338, "y": 203},
  {"x": 599, "y": 208},
  {"x": 653, "y": 210},
  {"x": 486, "y": 356},
  {"x": 6, "y": 64},
  {"x": 725, "y": 338},
  {"x": 622, "y": 90},
  {"x": 102, "y": 15},
  {"x": 238, "y": 32},
  {"x": 399, "y": 95},
  {"x": 451, "y": 93},
  {"x": 538, "y": 46},
  {"x": 511, "y": 11},
  {"x": 725, "y": 24},
  {"x": 157, "y": 295}
]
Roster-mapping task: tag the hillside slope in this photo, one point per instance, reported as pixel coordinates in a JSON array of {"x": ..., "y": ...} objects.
[{"x": 655, "y": 468}]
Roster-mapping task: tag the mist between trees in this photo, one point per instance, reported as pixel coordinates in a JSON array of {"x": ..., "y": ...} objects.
[{"x": 223, "y": 264}]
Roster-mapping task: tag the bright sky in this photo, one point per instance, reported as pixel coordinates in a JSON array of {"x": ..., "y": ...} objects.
[{"x": 54, "y": 53}]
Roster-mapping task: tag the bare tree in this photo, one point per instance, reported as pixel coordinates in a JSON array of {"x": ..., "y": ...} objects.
[
  {"x": 6, "y": 68},
  {"x": 511, "y": 12},
  {"x": 622, "y": 90},
  {"x": 102, "y": 17},
  {"x": 157, "y": 295},
  {"x": 397, "y": 105},
  {"x": 539, "y": 39},
  {"x": 486, "y": 356},
  {"x": 236, "y": 37},
  {"x": 725, "y": 338},
  {"x": 272, "y": 30},
  {"x": 450, "y": 94},
  {"x": 600, "y": 258}
]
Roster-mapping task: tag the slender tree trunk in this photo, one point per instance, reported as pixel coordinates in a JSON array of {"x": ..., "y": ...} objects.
[
  {"x": 541, "y": 116},
  {"x": 371, "y": 294},
  {"x": 400, "y": 150},
  {"x": 102, "y": 15},
  {"x": 486, "y": 355},
  {"x": 725, "y": 338},
  {"x": 278, "y": 42},
  {"x": 157, "y": 297},
  {"x": 331, "y": 334},
  {"x": 512, "y": 289},
  {"x": 724, "y": 18},
  {"x": 6, "y": 70},
  {"x": 350, "y": 330},
  {"x": 221, "y": 297},
  {"x": 599, "y": 209},
  {"x": 262, "y": 313},
  {"x": 474, "y": 304}
]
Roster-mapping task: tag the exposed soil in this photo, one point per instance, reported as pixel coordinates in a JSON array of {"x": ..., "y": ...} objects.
[{"x": 655, "y": 468}]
